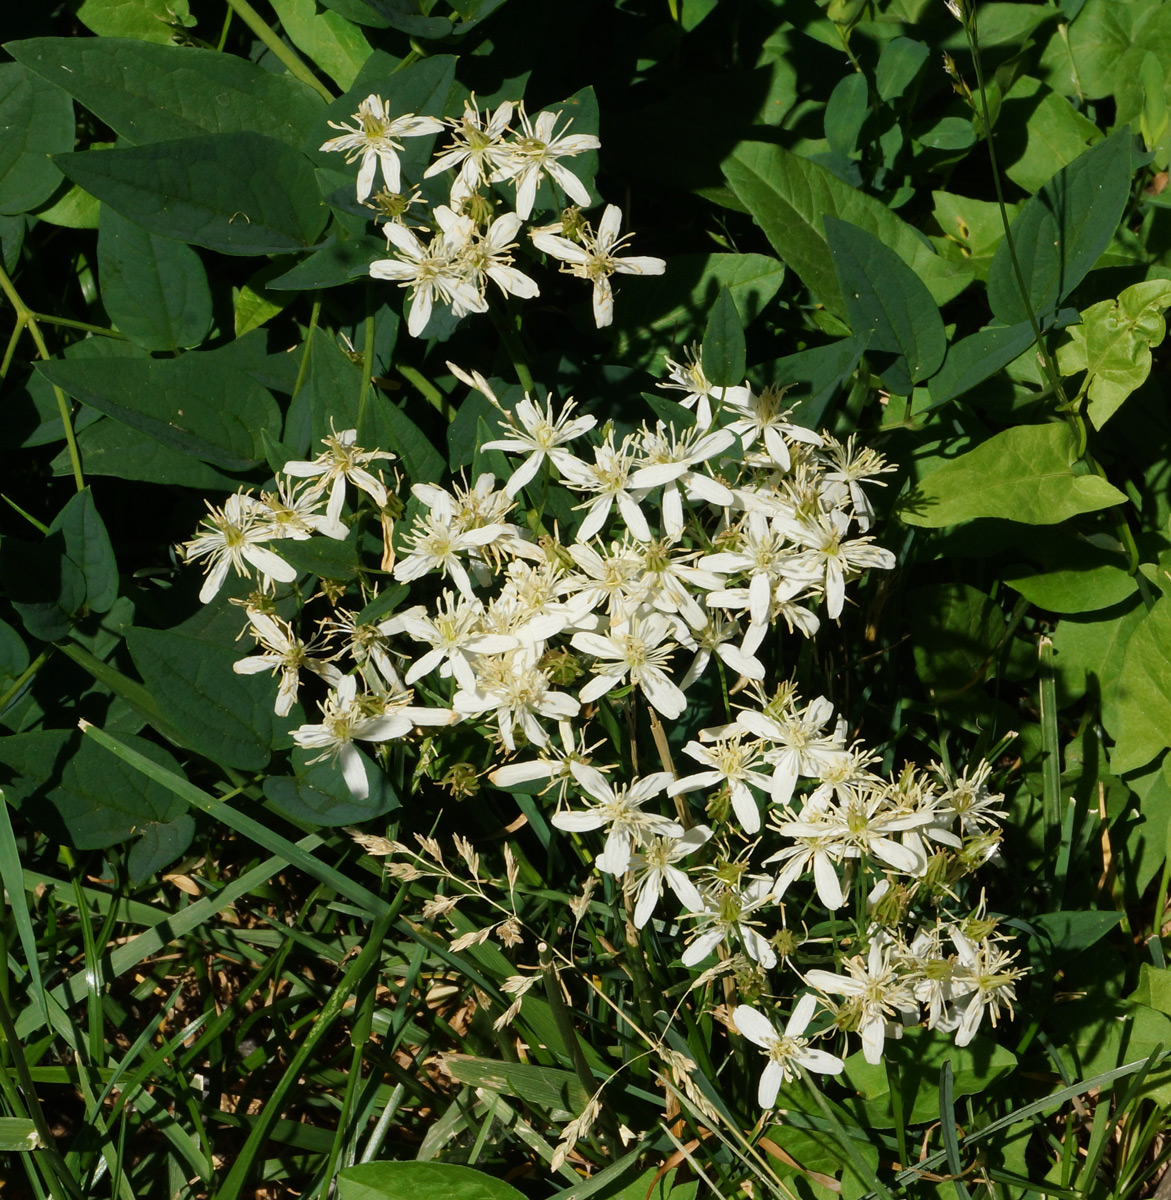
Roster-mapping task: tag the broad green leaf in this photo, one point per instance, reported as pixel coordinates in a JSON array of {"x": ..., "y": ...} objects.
[
  {"x": 336, "y": 45},
  {"x": 919, "y": 1055},
  {"x": 1039, "y": 132},
  {"x": 971, "y": 229},
  {"x": 73, "y": 790},
  {"x": 337, "y": 262},
  {"x": 552, "y": 1089},
  {"x": 420, "y": 1181},
  {"x": 977, "y": 357},
  {"x": 1114, "y": 343},
  {"x": 149, "y": 93},
  {"x": 789, "y": 196},
  {"x": 421, "y": 459},
  {"x": 151, "y": 20},
  {"x": 1023, "y": 474},
  {"x": 158, "y": 844},
  {"x": 820, "y": 1160},
  {"x": 900, "y": 62},
  {"x": 88, "y": 545},
  {"x": 1075, "y": 576},
  {"x": 238, "y": 193},
  {"x": 1136, "y": 707},
  {"x": 1090, "y": 651},
  {"x": 317, "y": 794},
  {"x": 1069, "y": 933},
  {"x": 889, "y": 308},
  {"x": 407, "y": 17},
  {"x": 226, "y": 717},
  {"x": 18, "y": 1134},
  {"x": 36, "y": 121},
  {"x": 1154, "y": 988},
  {"x": 321, "y": 556},
  {"x": 254, "y": 305},
  {"x": 45, "y": 586},
  {"x": 77, "y": 209},
  {"x": 1148, "y": 844},
  {"x": 653, "y": 1184},
  {"x": 154, "y": 289},
  {"x": 328, "y": 398},
  {"x": 201, "y": 403},
  {"x": 846, "y": 112},
  {"x": 1062, "y": 230},
  {"x": 723, "y": 343},
  {"x": 108, "y": 447}
]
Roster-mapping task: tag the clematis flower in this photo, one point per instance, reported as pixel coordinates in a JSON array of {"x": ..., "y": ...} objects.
[
  {"x": 231, "y": 537},
  {"x": 595, "y": 258},
  {"x": 375, "y": 140},
  {"x": 786, "y": 1052},
  {"x": 535, "y": 153}
]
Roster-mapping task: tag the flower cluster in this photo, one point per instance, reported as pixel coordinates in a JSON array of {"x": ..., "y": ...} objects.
[
  {"x": 689, "y": 553},
  {"x": 464, "y": 244}
]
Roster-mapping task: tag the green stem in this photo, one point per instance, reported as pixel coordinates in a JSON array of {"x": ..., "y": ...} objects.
[
  {"x": 1046, "y": 362},
  {"x": 25, "y": 316},
  {"x": 289, "y": 57},
  {"x": 367, "y": 359},
  {"x": 515, "y": 351},
  {"x": 69, "y": 323},
  {"x": 433, "y": 395},
  {"x": 25, "y": 675}
]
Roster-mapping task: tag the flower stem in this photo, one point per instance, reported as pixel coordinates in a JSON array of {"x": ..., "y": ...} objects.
[
  {"x": 513, "y": 347},
  {"x": 25, "y": 316},
  {"x": 289, "y": 57}
]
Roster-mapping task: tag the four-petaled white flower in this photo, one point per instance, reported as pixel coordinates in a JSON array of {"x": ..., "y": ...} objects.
[
  {"x": 786, "y": 1052},
  {"x": 284, "y": 652},
  {"x": 540, "y": 436},
  {"x": 654, "y": 865},
  {"x": 342, "y": 459},
  {"x": 231, "y": 537},
  {"x": 375, "y": 140},
  {"x": 535, "y": 153},
  {"x": 595, "y": 258}
]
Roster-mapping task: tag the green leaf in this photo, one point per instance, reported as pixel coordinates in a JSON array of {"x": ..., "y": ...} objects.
[
  {"x": 328, "y": 398},
  {"x": 723, "y": 343},
  {"x": 1154, "y": 988},
  {"x": 110, "y": 448},
  {"x": 789, "y": 196},
  {"x": 71, "y": 789},
  {"x": 1062, "y": 230},
  {"x": 901, "y": 61},
  {"x": 238, "y": 193},
  {"x": 1069, "y": 933},
  {"x": 846, "y": 113},
  {"x": 150, "y": 93},
  {"x": 36, "y": 121},
  {"x": 1089, "y": 652},
  {"x": 151, "y": 20},
  {"x": 406, "y": 17},
  {"x": 956, "y": 631},
  {"x": 254, "y": 305},
  {"x": 336, "y": 45},
  {"x": 888, "y": 306},
  {"x": 1023, "y": 474},
  {"x": 18, "y": 1134},
  {"x": 1136, "y": 709},
  {"x": 203, "y": 403},
  {"x": 421, "y": 460},
  {"x": 226, "y": 717},
  {"x": 88, "y": 546},
  {"x": 1039, "y": 132},
  {"x": 337, "y": 262},
  {"x": 554, "y": 1090},
  {"x": 977, "y": 357},
  {"x": 971, "y": 229},
  {"x": 154, "y": 289},
  {"x": 420, "y": 1181},
  {"x": 45, "y": 586},
  {"x": 317, "y": 794},
  {"x": 1114, "y": 342},
  {"x": 158, "y": 845},
  {"x": 321, "y": 556},
  {"x": 919, "y": 1054}
]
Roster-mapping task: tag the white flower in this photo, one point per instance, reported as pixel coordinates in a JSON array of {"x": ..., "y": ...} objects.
[
  {"x": 487, "y": 257},
  {"x": 689, "y": 377},
  {"x": 342, "y": 459},
  {"x": 874, "y": 988},
  {"x": 655, "y": 865},
  {"x": 726, "y": 911},
  {"x": 620, "y": 809},
  {"x": 284, "y": 652},
  {"x": 800, "y": 748},
  {"x": 540, "y": 436},
  {"x": 595, "y": 258},
  {"x": 477, "y": 147},
  {"x": 535, "y": 153},
  {"x": 984, "y": 980},
  {"x": 635, "y": 647},
  {"x": 764, "y": 417},
  {"x": 608, "y": 476},
  {"x": 670, "y": 458},
  {"x": 730, "y": 764},
  {"x": 436, "y": 540},
  {"x": 375, "y": 141},
  {"x": 786, "y": 1052},
  {"x": 346, "y": 717},
  {"x": 437, "y": 270},
  {"x": 231, "y": 537}
]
